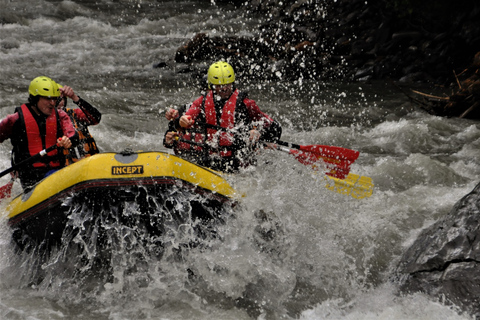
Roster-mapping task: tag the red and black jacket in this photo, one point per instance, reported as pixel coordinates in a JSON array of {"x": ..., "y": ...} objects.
[
  {"x": 222, "y": 141},
  {"x": 221, "y": 128},
  {"x": 33, "y": 133}
]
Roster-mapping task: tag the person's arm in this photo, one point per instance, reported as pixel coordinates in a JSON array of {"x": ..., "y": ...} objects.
[
  {"x": 270, "y": 129},
  {"x": 173, "y": 125},
  {"x": 6, "y": 126},
  {"x": 173, "y": 115},
  {"x": 170, "y": 134},
  {"x": 87, "y": 113},
  {"x": 187, "y": 120},
  {"x": 68, "y": 128}
]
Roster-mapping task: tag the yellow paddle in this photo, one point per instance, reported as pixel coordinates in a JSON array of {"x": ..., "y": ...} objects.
[{"x": 358, "y": 187}]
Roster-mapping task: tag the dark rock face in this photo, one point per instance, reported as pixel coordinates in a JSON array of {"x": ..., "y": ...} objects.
[
  {"x": 350, "y": 40},
  {"x": 444, "y": 261}
]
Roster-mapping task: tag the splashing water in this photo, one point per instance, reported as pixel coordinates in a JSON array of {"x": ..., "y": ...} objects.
[{"x": 291, "y": 248}]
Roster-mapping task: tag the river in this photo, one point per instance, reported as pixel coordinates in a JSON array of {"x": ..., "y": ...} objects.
[{"x": 330, "y": 257}]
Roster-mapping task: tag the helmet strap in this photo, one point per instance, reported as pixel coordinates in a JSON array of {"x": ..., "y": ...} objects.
[{"x": 58, "y": 102}]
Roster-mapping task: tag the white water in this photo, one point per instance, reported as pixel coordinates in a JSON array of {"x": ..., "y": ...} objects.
[{"x": 331, "y": 256}]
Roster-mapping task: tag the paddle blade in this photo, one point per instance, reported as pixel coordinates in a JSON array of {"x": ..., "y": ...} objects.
[
  {"x": 312, "y": 160},
  {"x": 332, "y": 152},
  {"x": 337, "y": 159},
  {"x": 356, "y": 186},
  {"x": 6, "y": 190}
]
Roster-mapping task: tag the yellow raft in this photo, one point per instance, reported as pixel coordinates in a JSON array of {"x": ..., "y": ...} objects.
[{"x": 161, "y": 186}]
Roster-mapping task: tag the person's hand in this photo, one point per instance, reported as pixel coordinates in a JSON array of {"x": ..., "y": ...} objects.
[
  {"x": 186, "y": 121},
  {"x": 254, "y": 136},
  {"x": 171, "y": 114},
  {"x": 270, "y": 145},
  {"x": 170, "y": 137},
  {"x": 64, "y": 142},
  {"x": 67, "y": 91}
]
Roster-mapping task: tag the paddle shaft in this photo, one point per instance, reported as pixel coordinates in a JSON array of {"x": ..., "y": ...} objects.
[
  {"x": 357, "y": 187},
  {"x": 28, "y": 160},
  {"x": 277, "y": 146},
  {"x": 288, "y": 144},
  {"x": 338, "y": 159},
  {"x": 320, "y": 150}
]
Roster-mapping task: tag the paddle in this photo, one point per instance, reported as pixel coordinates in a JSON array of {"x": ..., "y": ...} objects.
[
  {"x": 28, "y": 160},
  {"x": 338, "y": 159},
  {"x": 346, "y": 183},
  {"x": 356, "y": 186},
  {"x": 338, "y": 179},
  {"x": 5, "y": 191}
]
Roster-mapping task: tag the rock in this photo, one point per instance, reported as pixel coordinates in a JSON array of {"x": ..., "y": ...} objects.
[
  {"x": 444, "y": 261},
  {"x": 160, "y": 65}
]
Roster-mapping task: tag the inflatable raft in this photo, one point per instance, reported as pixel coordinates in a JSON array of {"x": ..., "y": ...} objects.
[{"x": 148, "y": 193}]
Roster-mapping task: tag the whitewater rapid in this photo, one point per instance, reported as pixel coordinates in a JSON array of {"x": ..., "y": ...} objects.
[{"x": 294, "y": 249}]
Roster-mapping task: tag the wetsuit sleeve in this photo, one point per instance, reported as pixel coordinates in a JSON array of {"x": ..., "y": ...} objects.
[
  {"x": 68, "y": 128},
  {"x": 6, "y": 126},
  {"x": 195, "y": 108},
  {"x": 87, "y": 113},
  {"x": 271, "y": 130}
]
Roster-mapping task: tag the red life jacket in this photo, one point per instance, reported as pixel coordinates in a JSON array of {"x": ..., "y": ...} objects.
[
  {"x": 36, "y": 142},
  {"x": 221, "y": 139}
]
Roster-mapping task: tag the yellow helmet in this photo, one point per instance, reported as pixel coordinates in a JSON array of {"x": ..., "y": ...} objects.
[
  {"x": 44, "y": 87},
  {"x": 220, "y": 73}
]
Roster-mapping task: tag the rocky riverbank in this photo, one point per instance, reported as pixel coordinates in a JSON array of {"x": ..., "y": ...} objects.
[
  {"x": 351, "y": 40},
  {"x": 432, "y": 42}
]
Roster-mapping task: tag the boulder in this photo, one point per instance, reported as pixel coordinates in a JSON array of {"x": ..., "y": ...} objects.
[{"x": 444, "y": 261}]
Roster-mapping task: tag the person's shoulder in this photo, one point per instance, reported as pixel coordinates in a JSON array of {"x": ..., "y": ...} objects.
[
  {"x": 243, "y": 97},
  {"x": 62, "y": 113},
  {"x": 199, "y": 99},
  {"x": 20, "y": 108},
  {"x": 14, "y": 116},
  {"x": 11, "y": 118}
]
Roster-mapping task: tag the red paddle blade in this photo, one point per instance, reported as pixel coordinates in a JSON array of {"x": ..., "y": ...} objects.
[
  {"x": 337, "y": 159},
  {"x": 6, "y": 190},
  {"x": 332, "y": 152}
]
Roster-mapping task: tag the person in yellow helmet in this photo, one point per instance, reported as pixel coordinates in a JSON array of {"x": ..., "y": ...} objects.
[
  {"x": 82, "y": 117},
  {"x": 221, "y": 128},
  {"x": 36, "y": 126}
]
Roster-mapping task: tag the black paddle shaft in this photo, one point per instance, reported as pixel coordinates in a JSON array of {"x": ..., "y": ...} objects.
[
  {"x": 288, "y": 144},
  {"x": 28, "y": 160}
]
